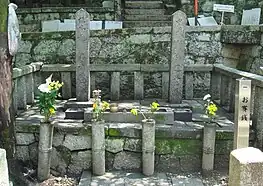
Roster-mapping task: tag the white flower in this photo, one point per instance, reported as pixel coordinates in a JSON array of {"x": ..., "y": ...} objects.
[
  {"x": 261, "y": 68},
  {"x": 44, "y": 88},
  {"x": 206, "y": 97}
]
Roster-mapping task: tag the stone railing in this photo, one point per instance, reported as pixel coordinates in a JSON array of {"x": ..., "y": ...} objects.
[
  {"x": 25, "y": 81},
  {"x": 138, "y": 70},
  {"x": 223, "y": 89}
]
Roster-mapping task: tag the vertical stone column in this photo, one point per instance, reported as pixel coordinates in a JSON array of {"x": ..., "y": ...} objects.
[
  {"x": 177, "y": 57},
  {"x": 246, "y": 167},
  {"x": 4, "y": 178},
  {"x": 148, "y": 146},
  {"x": 138, "y": 86},
  {"x": 224, "y": 90},
  {"x": 117, "y": 7},
  {"x": 258, "y": 116},
  {"x": 30, "y": 88},
  {"x": 66, "y": 88},
  {"x": 209, "y": 137},
  {"x": 115, "y": 86},
  {"x": 232, "y": 98},
  {"x": 165, "y": 85},
  {"x": 215, "y": 85},
  {"x": 98, "y": 148},
  {"x": 189, "y": 85},
  {"x": 21, "y": 93},
  {"x": 242, "y": 113},
  {"x": 82, "y": 55}
]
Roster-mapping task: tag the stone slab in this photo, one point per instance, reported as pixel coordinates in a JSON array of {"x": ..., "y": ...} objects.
[
  {"x": 85, "y": 178},
  {"x": 165, "y": 117},
  {"x": 50, "y": 26},
  {"x": 186, "y": 181},
  {"x": 74, "y": 113},
  {"x": 78, "y": 104},
  {"x": 183, "y": 114},
  {"x": 251, "y": 17}
]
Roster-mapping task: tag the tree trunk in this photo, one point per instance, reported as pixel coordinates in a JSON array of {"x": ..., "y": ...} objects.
[{"x": 6, "y": 110}]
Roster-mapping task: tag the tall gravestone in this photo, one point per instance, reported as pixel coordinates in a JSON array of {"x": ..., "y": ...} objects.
[
  {"x": 82, "y": 55},
  {"x": 176, "y": 76},
  {"x": 242, "y": 113}
]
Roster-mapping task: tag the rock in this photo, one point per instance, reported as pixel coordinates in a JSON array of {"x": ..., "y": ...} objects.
[
  {"x": 67, "y": 48},
  {"x": 24, "y": 138},
  {"x": 73, "y": 142},
  {"x": 114, "y": 145},
  {"x": 58, "y": 163},
  {"x": 80, "y": 160},
  {"x": 57, "y": 139},
  {"x": 127, "y": 161},
  {"x": 134, "y": 145},
  {"x": 22, "y": 59},
  {"x": 46, "y": 47},
  {"x": 22, "y": 153},
  {"x": 24, "y": 47}
]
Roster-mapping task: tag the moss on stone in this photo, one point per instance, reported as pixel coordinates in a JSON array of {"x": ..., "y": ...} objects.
[
  {"x": 178, "y": 146},
  {"x": 114, "y": 132},
  {"x": 3, "y": 15},
  {"x": 224, "y": 135}
]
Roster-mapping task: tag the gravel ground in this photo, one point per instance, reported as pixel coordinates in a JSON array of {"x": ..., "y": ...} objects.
[{"x": 60, "y": 181}]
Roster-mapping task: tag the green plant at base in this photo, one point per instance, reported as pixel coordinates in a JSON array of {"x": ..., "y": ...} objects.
[
  {"x": 154, "y": 106},
  {"x": 47, "y": 98},
  {"x": 99, "y": 107}
]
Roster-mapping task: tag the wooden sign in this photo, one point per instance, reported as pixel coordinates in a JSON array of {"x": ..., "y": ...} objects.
[{"x": 224, "y": 8}]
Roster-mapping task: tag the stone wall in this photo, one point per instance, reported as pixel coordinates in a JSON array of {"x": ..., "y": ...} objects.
[
  {"x": 30, "y": 18},
  {"x": 126, "y": 46},
  {"x": 177, "y": 148}
]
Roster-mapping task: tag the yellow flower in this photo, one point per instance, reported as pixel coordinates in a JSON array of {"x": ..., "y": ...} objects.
[
  {"x": 105, "y": 105},
  {"x": 52, "y": 111},
  {"x": 94, "y": 105},
  {"x": 134, "y": 112},
  {"x": 211, "y": 109},
  {"x": 155, "y": 105}
]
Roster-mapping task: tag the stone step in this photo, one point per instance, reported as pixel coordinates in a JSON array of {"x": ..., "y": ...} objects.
[
  {"x": 132, "y": 24},
  {"x": 144, "y": 4},
  {"x": 144, "y": 11},
  {"x": 74, "y": 113},
  {"x": 147, "y": 17}
]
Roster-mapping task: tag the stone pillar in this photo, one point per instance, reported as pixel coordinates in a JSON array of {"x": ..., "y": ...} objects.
[
  {"x": 176, "y": 77},
  {"x": 215, "y": 85},
  {"x": 117, "y": 7},
  {"x": 138, "y": 86},
  {"x": 209, "y": 137},
  {"x": 98, "y": 148},
  {"x": 66, "y": 88},
  {"x": 82, "y": 55},
  {"x": 4, "y": 178},
  {"x": 224, "y": 90},
  {"x": 246, "y": 167},
  {"x": 44, "y": 150},
  {"x": 148, "y": 146},
  {"x": 115, "y": 86},
  {"x": 242, "y": 113},
  {"x": 165, "y": 85},
  {"x": 21, "y": 93},
  {"x": 30, "y": 88},
  {"x": 258, "y": 116}
]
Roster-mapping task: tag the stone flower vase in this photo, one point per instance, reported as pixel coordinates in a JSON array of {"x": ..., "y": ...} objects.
[
  {"x": 148, "y": 146},
  {"x": 98, "y": 148},
  {"x": 209, "y": 135},
  {"x": 44, "y": 150}
]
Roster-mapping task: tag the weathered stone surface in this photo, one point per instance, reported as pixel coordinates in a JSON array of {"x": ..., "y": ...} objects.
[
  {"x": 206, "y": 49},
  {"x": 245, "y": 168},
  {"x": 4, "y": 177},
  {"x": 127, "y": 160},
  {"x": 67, "y": 48},
  {"x": 134, "y": 145},
  {"x": 57, "y": 139},
  {"x": 191, "y": 163},
  {"x": 24, "y": 138},
  {"x": 168, "y": 163},
  {"x": 59, "y": 161},
  {"x": 46, "y": 47},
  {"x": 80, "y": 161},
  {"x": 22, "y": 153},
  {"x": 114, "y": 145},
  {"x": 73, "y": 142},
  {"x": 25, "y": 47},
  {"x": 33, "y": 152},
  {"x": 23, "y": 59}
]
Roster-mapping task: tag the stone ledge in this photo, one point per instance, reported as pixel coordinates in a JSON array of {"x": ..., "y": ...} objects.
[{"x": 28, "y": 69}]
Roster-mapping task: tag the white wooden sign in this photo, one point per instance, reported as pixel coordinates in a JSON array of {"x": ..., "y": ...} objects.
[
  {"x": 224, "y": 8},
  {"x": 251, "y": 17}
]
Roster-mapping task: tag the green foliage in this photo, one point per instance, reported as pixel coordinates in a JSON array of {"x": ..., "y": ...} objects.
[
  {"x": 154, "y": 106},
  {"x": 3, "y": 15}
]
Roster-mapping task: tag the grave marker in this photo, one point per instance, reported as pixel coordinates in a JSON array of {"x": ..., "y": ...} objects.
[
  {"x": 251, "y": 17},
  {"x": 223, "y": 9},
  {"x": 82, "y": 55},
  {"x": 242, "y": 113}
]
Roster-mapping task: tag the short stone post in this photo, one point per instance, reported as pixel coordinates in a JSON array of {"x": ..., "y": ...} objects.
[
  {"x": 117, "y": 7},
  {"x": 4, "y": 178},
  {"x": 209, "y": 137},
  {"x": 148, "y": 146},
  {"x": 44, "y": 150},
  {"x": 176, "y": 77},
  {"x": 82, "y": 55},
  {"x": 246, "y": 167},
  {"x": 242, "y": 113},
  {"x": 98, "y": 148},
  {"x": 258, "y": 116}
]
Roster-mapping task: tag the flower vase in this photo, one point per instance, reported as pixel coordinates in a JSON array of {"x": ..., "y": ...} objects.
[
  {"x": 44, "y": 150},
  {"x": 209, "y": 135},
  {"x": 148, "y": 146},
  {"x": 98, "y": 148}
]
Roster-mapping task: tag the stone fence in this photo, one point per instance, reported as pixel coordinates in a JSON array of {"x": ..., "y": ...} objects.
[{"x": 30, "y": 18}]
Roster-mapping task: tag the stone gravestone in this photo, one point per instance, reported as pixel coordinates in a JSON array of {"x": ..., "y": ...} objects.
[
  {"x": 246, "y": 167},
  {"x": 82, "y": 55},
  {"x": 4, "y": 178},
  {"x": 176, "y": 74},
  {"x": 242, "y": 113},
  {"x": 251, "y": 17}
]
